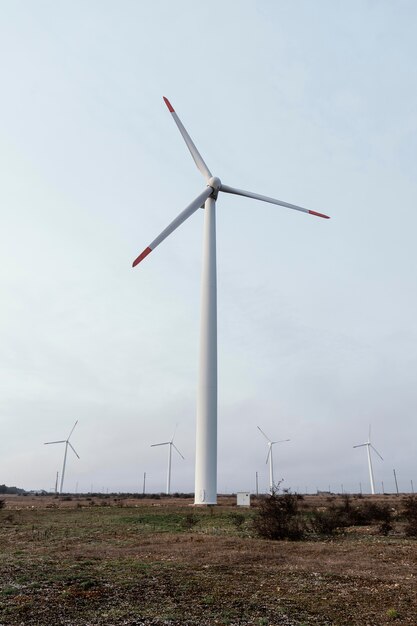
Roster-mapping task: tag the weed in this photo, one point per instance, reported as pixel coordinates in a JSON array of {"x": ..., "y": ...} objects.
[
  {"x": 189, "y": 521},
  {"x": 208, "y": 600},
  {"x": 9, "y": 590},
  {"x": 237, "y": 519},
  {"x": 392, "y": 614}
]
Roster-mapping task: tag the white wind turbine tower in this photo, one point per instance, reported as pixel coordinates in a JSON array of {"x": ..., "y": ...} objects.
[
  {"x": 67, "y": 443},
  {"x": 369, "y": 445},
  {"x": 270, "y": 459},
  {"x": 170, "y": 445},
  {"x": 206, "y": 428}
]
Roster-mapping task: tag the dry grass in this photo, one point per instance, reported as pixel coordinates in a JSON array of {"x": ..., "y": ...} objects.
[{"x": 163, "y": 562}]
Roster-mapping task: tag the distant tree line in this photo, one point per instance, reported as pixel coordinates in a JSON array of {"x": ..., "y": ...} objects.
[{"x": 15, "y": 490}]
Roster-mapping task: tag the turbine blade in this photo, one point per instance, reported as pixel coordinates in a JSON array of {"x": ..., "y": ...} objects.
[
  {"x": 256, "y": 196},
  {"x": 175, "y": 430},
  {"x": 191, "y": 208},
  {"x": 73, "y": 449},
  {"x": 173, "y": 444},
  {"x": 360, "y": 445},
  {"x": 72, "y": 430},
  {"x": 375, "y": 450},
  {"x": 280, "y": 441},
  {"x": 266, "y": 436},
  {"x": 268, "y": 455},
  {"x": 198, "y": 159},
  {"x": 48, "y": 442},
  {"x": 165, "y": 443}
]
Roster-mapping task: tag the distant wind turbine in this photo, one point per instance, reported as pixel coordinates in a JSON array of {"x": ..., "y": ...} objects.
[
  {"x": 67, "y": 443},
  {"x": 270, "y": 459},
  {"x": 206, "y": 430},
  {"x": 369, "y": 445},
  {"x": 170, "y": 445}
]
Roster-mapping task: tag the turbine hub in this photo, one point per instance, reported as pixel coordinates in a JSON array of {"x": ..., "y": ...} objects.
[{"x": 215, "y": 183}]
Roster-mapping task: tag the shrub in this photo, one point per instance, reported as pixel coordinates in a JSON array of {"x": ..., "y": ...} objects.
[
  {"x": 410, "y": 515},
  {"x": 278, "y": 517},
  {"x": 328, "y": 521},
  {"x": 2, "y": 503},
  {"x": 385, "y": 527},
  {"x": 374, "y": 512},
  {"x": 383, "y": 515},
  {"x": 366, "y": 513}
]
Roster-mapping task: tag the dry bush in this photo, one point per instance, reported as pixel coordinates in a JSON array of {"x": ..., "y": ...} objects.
[
  {"x": 328, "y": 521},
  {"x": 410, "y": 514},
  {"x": 278, "y": 517},
  {"x": 374, "y": 512}
]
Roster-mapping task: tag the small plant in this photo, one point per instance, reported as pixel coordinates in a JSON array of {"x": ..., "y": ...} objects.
[
  {"x": 237, "y": 519},
  {"x": 392, "y": 614},
  {"x": 2, "y": 503},
  {"x": 189, "y": 521},
  {"x": 208, "y": 600}
]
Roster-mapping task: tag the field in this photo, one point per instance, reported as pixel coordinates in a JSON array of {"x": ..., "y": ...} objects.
[{"x": 113, "y": 561}]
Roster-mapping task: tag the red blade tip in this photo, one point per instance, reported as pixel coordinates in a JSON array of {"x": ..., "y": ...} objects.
[
  {"x": 326, "y": 217},
  {"x": 141, "y": 256},
  {"x": 169, "y": 105}
]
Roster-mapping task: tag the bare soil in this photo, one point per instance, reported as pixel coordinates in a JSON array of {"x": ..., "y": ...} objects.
[{"x": 113, "y": 561}]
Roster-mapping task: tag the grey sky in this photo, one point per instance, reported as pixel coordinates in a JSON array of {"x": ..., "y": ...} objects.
[{"x": 314, "y": 103}]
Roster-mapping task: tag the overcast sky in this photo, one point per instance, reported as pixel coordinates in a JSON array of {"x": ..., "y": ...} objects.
[{"x": 314, "y": 103}]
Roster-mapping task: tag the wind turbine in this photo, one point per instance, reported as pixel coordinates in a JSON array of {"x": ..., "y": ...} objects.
[
  {"x": 368, "y": 449},
  {"x": 269, "y": 458},
  {"x": 170, "y": 445},
  {"x": 206, "y": 428},
  {"x": 67, "y": 443}
]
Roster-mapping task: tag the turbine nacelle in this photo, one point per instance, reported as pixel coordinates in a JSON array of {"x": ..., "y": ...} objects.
[{"x": 215, "y": 183}]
